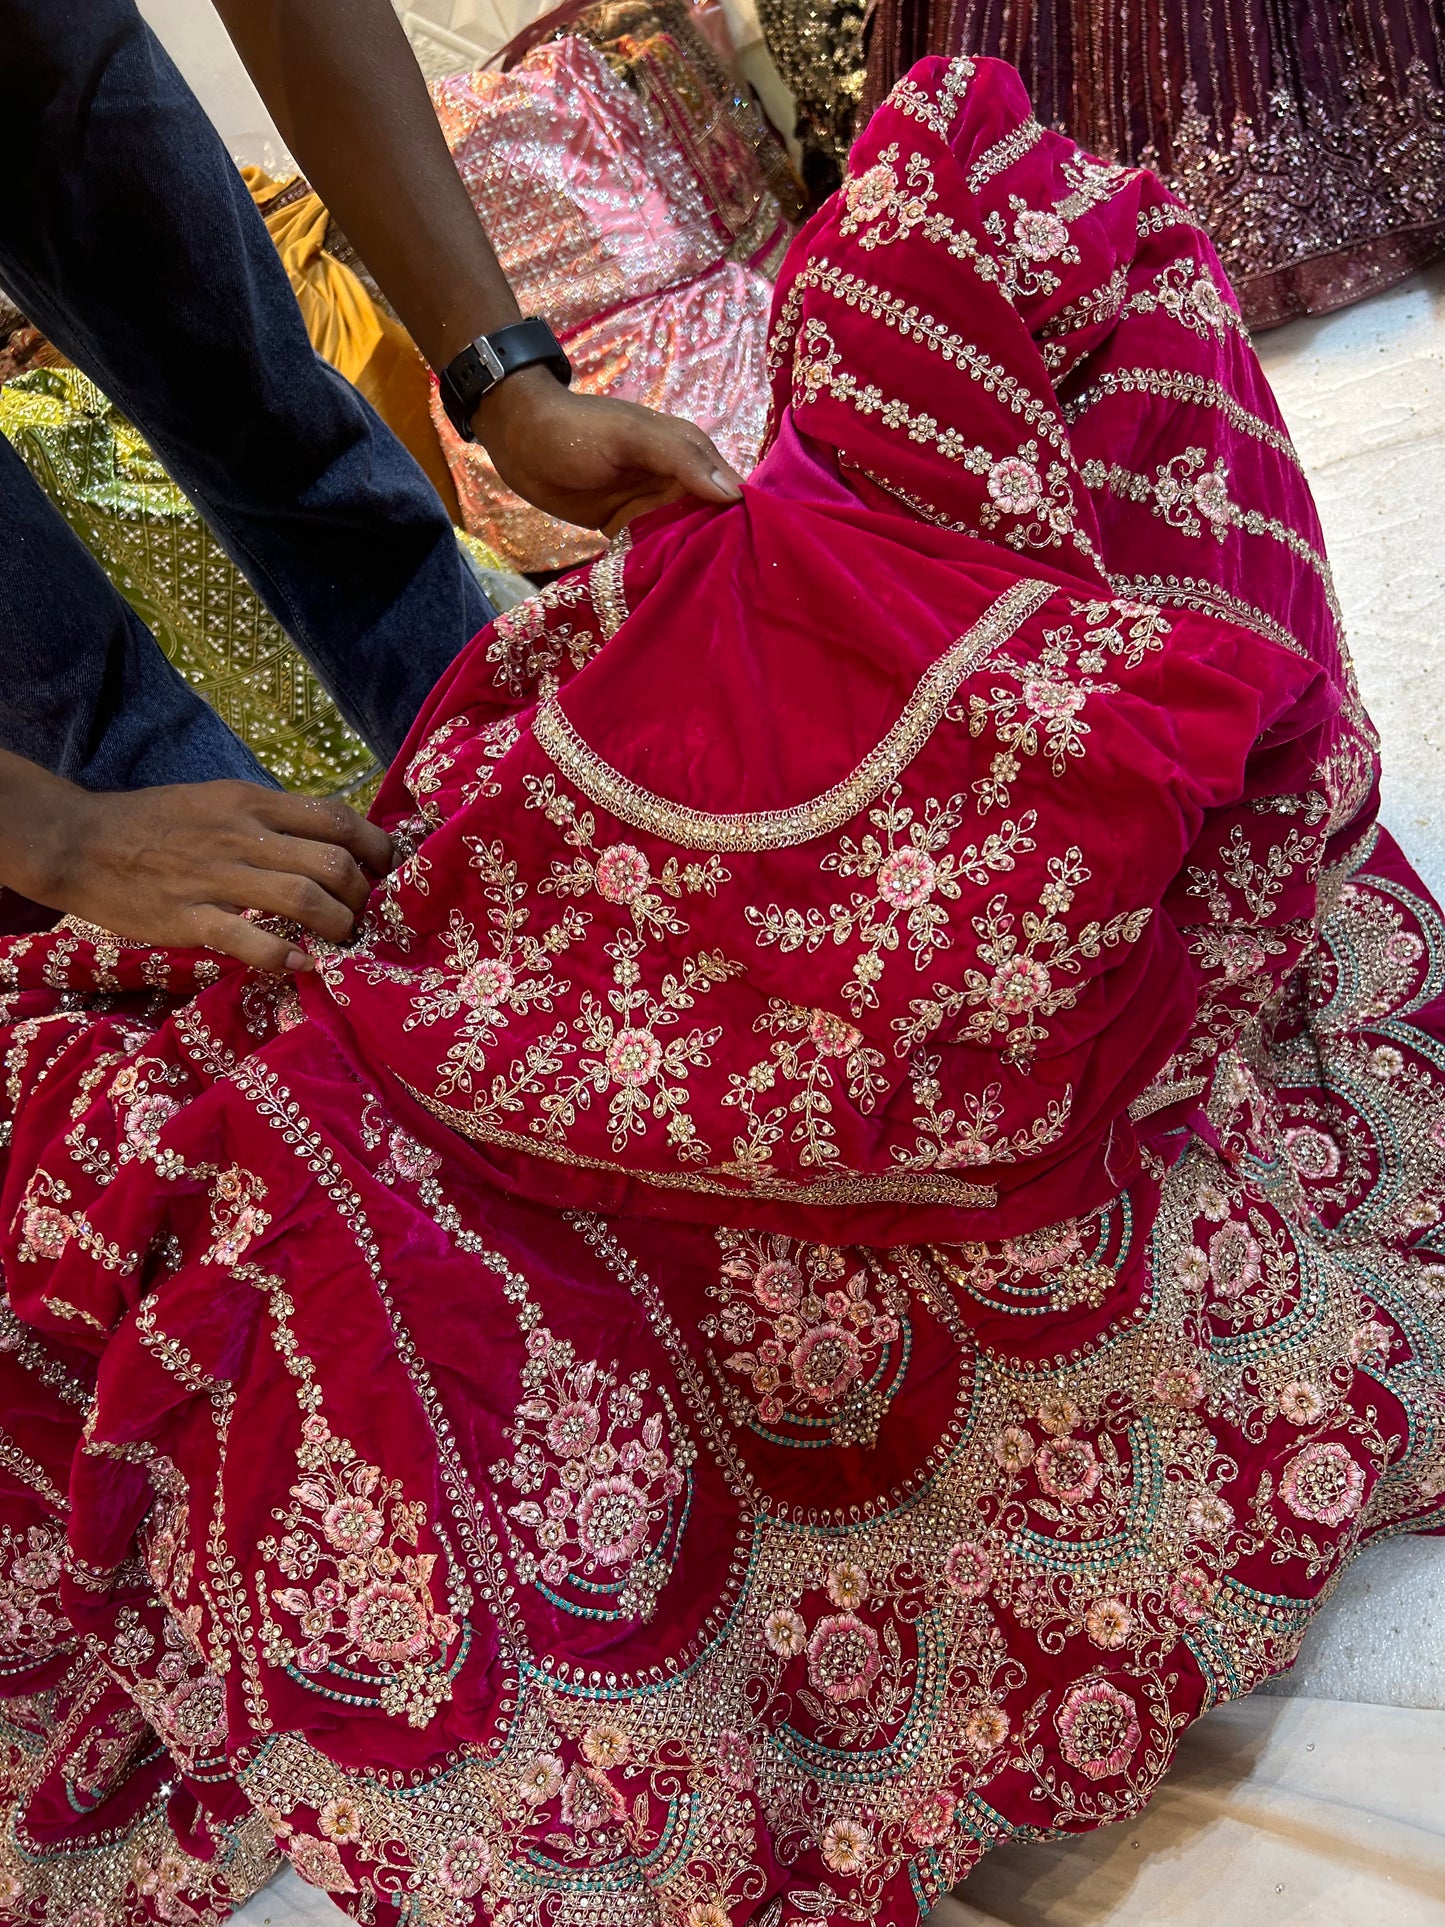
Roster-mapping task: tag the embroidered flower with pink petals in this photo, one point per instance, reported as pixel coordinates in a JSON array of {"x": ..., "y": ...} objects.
[
  {"x": 843, "y": 1659},
  {"x": 634, "y": 1057},
  {"x": 1040, "y": 235},
  {"x": 623, "y": 873},
  {"x": 1323, "y": 1483},
  {"x": 1098, "y": 1728},
  {"x": 833, "y": 1036},
  {"x": 967, "y": 1570},
  {"x": 1313, "y": 1153},
  {"x": 1191, "y": 1595},
  {"x": 847, "y": 1846},
  {"x": 1068, "y": 1470},
  {"x": 931, "y": 1822},
  {"x": 907, "y": 878},
  {"x": 1015, "y": 485}
]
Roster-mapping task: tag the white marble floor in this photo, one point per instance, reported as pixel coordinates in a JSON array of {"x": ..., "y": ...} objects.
[{"x": 1323, "y": 1802}]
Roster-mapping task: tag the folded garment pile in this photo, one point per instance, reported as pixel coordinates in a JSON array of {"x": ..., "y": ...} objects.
[{"x": 638, "y": 201}]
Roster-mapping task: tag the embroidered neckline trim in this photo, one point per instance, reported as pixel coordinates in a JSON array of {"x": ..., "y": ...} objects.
[{"x": 693, "y": 829}]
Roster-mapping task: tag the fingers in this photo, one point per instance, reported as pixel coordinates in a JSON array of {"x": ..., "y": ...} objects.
[
  {"x": 224, "y": 930},
  {"x": 286, "y": 892},
  {"x": 319, "y": 819},
  {"x": 328, "y": 864}
]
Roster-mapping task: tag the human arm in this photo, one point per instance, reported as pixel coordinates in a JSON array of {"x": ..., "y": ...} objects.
[
  {"x": 179, "y": 863},
  {"x": 343, "y": 86}
]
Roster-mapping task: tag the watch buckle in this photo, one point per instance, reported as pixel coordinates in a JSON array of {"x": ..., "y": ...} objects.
[{"x": 490, "y": 360}]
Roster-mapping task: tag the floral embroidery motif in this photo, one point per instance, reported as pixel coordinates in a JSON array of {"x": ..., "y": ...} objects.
[
  {"x": 815, "y": 1050},
  {"x": 1188, "y": 293},
  {"x": 528, "y": 649},
  {"x": 611, "y": 1480},
  {"x": 913, "y": 873},
  {"x": 45, "y": 1227},
  {"x": 643, "y": 1076},
  {"x": 820, "y": 1337},
  {"x": 360, "y": 1598},
  {"x": 1098, "y": 1728},
  {"x": 1044, "y": 713},
  {"x": 1015, "y": 485},
  {"x": 32, "y": 1622},
  {"x": 1025, "y": 957},
  {"x": 487, "y": 981}
]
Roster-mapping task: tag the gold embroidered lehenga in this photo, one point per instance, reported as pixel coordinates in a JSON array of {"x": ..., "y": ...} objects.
[{"x": 860, "y": 1235}]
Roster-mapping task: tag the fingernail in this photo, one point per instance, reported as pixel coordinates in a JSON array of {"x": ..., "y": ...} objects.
[
  {"x": 297, "y": 960},
  {"x": 727, "y": 484}
]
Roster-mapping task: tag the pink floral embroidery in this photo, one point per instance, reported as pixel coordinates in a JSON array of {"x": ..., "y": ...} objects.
[
  {"x": 985, "y": 1731},
  {"x": 931, "y": 1823},
  {"x": 811, "y": 1336},
  {"x": 369, "y": 1609},
  {"x": 736, "y": 1764},
  {"x": 1015, "y": 485},
  {"x": 146, "y": 1118},
  {"x": 1313, "y": 1153},
  {"x": 846, "y": 1846},
  {"x": 465, "y": 1865},
  {"x": 843, "y": 1659},
  {"x": 1040, "y": 235},
  {"x": 785, "y": 1633},
  {"x": 967, "y": 1570},
  {"x": 236, "y": 1215},
  {"x": 1067, "y": 1470},
  {"x": 45, "y": 1231},
  {"x": 633, "y": 1057},
  {"x": 1323, "y": 1483},
  {"x": 1234, "y": 1259},
  {"x": 486, "y": 986},
  {"x": 1181, "y": 1386},
  {"x": 607, "y": 1479},
  {"x": 1098, "y": 1728},
  {"x": 622, "y": 873},
  {"x": 833, "y": 1036},
  {"x": 1191, "y": 1595},
  {"x": 1300, "y": 1401},
  {"x": 1108, "y": 1622},
  {"x": 1012, "y": 1449}
]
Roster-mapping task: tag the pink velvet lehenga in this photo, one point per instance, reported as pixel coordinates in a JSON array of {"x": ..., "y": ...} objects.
[{"x": 857, "y": 1240}]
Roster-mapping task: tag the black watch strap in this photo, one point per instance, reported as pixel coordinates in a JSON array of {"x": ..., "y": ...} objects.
[{"x": 488, "y": 360}]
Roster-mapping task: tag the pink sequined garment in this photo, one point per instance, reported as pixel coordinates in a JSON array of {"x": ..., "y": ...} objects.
[
  {"x": 861, "y": 1234},
  {"x": 604, "y": 229}
]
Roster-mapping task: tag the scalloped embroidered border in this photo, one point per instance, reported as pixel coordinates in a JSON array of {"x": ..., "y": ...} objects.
[{"x": 693, "y": 829}]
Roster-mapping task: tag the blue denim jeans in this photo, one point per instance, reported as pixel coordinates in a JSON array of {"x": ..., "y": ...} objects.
[{"x": 130, "y": 240}]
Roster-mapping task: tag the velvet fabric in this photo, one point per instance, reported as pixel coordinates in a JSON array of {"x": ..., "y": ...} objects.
[{"x": 856, "y": 1240}]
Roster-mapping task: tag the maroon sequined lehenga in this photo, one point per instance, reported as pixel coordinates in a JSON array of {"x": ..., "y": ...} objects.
[{"x": 1308, "y": 135}]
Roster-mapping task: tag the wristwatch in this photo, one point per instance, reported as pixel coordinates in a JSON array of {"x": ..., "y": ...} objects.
[{"x": 488, "y": 360}]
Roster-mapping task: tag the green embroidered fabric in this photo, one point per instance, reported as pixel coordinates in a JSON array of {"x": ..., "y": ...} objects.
[{"x": 107, "y": 482}]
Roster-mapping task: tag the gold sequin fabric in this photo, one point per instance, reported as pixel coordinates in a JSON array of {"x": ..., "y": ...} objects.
[{"x": 102, "y": 476}]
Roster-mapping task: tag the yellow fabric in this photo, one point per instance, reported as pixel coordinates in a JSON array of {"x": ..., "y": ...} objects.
[{"x": 346, "y": 326}]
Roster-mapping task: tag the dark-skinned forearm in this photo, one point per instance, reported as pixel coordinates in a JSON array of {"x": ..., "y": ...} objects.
[
  {"x": 37, "y": 810},
  {"x": 343, "y": 86}
]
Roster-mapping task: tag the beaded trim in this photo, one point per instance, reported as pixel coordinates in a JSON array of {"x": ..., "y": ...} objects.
[{"x": 693, "y": 829}]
